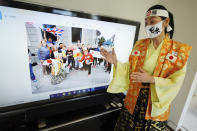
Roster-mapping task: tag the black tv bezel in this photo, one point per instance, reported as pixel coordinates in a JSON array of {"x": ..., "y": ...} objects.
[{"x": 34, "y": 7}]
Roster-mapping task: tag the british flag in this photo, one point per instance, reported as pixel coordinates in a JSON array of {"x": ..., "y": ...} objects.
[
  {"x": 59, "y": 32},
  {"x": 54, "y": 31}
]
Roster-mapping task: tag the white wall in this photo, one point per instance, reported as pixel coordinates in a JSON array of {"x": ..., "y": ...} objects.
[
  {"x": 185, "y": 27},
  {"x": 185, "y": 31},
  {"x": 34, "y": 35},
  {"x": 66, "y": 36},
  {"x": 88, "y": 36}
]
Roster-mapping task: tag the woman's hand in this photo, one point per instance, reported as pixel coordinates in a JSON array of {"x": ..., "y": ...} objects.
[
  {"x": 142, "y": 76},
  {"x": 111, "y": 58}
]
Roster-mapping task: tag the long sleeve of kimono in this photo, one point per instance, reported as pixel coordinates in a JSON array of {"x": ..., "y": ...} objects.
[
  {"x": 120, "y": 81},
  {"x": 165, "y": 90}
]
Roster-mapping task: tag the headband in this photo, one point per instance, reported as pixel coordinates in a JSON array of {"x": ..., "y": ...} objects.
[{"x": 159, "y": 12}]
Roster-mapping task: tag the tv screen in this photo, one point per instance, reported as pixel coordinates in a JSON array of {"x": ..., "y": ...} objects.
[{"x": 48, "y": 53}]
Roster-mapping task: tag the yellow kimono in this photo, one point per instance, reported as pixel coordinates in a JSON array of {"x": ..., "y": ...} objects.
[{"x": 164, "y": 90}]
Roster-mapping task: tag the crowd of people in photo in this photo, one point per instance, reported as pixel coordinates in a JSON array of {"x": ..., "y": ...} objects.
[{"x": 58, "y": 60}]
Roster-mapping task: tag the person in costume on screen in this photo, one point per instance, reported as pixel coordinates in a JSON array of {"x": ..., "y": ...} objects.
[
  {"x": 152, "y": 77},
  {"x": 44, "y": 54},
  {"x": 77, "y": 56},
  {"x": 87, "y": 60}
]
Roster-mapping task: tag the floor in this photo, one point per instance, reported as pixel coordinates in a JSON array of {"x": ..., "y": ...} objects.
[
  {"x": 74, "y": 79},
  {"x": 190, "y": 121}
]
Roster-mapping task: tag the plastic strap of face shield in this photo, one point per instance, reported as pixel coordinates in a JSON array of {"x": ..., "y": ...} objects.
[{"x": 159, "y": 12}]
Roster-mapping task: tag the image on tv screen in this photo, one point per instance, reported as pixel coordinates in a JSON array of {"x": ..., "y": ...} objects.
[{"x": 63, "y": 57}]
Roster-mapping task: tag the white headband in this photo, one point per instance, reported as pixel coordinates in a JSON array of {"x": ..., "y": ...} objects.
[{"x": 159, "y": 12}]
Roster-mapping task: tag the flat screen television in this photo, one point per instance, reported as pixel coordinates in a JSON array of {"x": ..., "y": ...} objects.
[{"x": 51, "y": 55}]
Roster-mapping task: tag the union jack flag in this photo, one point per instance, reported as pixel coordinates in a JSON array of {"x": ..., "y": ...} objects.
[
  {"x": 54, "y": 31},
  {"x": 59, "y": 31}
]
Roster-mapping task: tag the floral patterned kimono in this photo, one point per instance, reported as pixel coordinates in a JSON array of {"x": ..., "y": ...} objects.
[{"x": 146, "y": 107}]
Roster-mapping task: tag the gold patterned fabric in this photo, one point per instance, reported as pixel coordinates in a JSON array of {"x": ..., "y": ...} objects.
[
  {"x": 137, "y": 121},
  {"x": 171, "y": 59}
]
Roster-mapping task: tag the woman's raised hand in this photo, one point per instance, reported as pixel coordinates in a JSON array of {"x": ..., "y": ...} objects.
[{"x": 109, "y": 57}]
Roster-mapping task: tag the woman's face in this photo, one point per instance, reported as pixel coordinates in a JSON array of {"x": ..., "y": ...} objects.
[{"x": 152, "y": 20}]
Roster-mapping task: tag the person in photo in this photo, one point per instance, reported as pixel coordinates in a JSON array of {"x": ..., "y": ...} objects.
[
  {"x": 32, "y": 75},
  {"x": 69, "y": 54},
  {"x": 77, "y": 56},
  {"x": 61, "y": 45},
  {"x": 54, "y": 52},
  {"x": 87, "y": 60},
  {"x": 44, "y": 54},
  {"x": 64, "y": 58}
]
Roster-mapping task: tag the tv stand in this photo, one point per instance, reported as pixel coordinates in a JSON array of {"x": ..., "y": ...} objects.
[
  {"x": 89, "y": 119},
  {"x": 101, "y": 117},
  {"x": 92, "y": 115}
]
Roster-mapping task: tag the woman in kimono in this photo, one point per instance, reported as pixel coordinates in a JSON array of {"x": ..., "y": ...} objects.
[{"x": 152, "y": 77}]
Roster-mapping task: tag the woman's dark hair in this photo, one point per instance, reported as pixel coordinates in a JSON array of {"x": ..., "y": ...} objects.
[{"x": 171, "y": 23}]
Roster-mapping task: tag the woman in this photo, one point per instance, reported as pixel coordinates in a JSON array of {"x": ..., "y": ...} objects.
[
  {"x": 153, "y": 76},
  {"x": 54, "y": 52}
]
